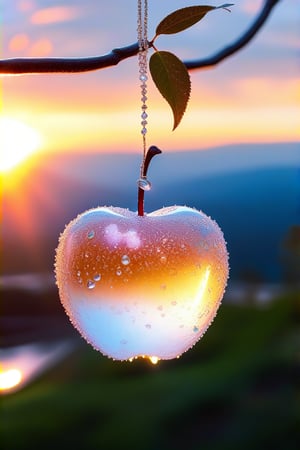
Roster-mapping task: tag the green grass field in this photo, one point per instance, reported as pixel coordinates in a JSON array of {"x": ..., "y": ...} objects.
[{"x": 236, "y": 389}]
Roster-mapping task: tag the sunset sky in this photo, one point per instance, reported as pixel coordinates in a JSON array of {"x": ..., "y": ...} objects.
[{"x": 251, "y": 97}]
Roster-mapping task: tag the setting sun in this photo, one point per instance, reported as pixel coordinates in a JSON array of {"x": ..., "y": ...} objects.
[{"x": 18, "y": 141}]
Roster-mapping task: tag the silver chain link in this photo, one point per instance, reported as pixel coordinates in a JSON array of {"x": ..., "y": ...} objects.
[{"x": 142, "y": 34}]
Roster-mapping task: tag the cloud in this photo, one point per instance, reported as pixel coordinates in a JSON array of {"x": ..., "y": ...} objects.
[
  {"x": 54, "y": 14},
  {"x": 25, "y": 5},
  {"x": 251, "y": 6},
  {"x": 41, "y": 47},
  {"x": 267, "y": 91},
  {"x": 18, "y": 42}
]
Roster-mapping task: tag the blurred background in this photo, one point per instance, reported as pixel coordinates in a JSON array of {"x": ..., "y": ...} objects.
[{"x": 72, "y": 142}]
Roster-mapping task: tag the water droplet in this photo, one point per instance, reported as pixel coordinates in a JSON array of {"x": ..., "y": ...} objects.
[
  {"x": 119, "y": 272},
  {"x": 78, "y": 273},
  {"x": 195, "y": 329},
  {"x": 165, "y": 240},
  {"x": 90, "y": 284},
  {"x": 143, "y": 77},
  {"x": 204, "y": 245},
  {"x": 97, "y": 277},
  {"x": 80, "y": 280},
  {"x": 160, "y": 307},
  {"x": 174, "y": 303},
  {"x": 148, "y": 326},
  {"x": 163, "y": 259},
  {"x": 91, "y": 234},
  {"x": 144, "y": 184},
  {"x": 86, "y": 255},
  {"x": 163, "y": 286},
  {"x": 125, "y": 260}
]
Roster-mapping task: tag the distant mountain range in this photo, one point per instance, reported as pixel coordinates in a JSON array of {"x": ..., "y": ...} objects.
[{"x": 252, "y": 191}]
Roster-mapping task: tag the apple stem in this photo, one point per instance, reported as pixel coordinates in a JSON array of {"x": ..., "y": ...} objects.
[{"x": 152, "y": 151}]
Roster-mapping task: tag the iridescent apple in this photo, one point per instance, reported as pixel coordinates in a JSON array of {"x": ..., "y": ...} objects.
[{"x": 142, "y": 285}]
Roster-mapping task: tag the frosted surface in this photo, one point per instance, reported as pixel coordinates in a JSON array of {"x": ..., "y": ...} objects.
[{"x": 142, "y": 286}]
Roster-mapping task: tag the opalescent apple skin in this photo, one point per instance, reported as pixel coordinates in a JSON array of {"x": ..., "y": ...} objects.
[{"x": 142, "y": 285}]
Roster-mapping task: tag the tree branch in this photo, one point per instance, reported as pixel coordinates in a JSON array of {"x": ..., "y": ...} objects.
[
  {"x": 239, "y": 43},
  {"x": 19, "y": 66}
]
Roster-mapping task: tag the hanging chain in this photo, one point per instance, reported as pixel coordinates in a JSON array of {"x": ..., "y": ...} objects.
[{"x": 142, "y": 34}]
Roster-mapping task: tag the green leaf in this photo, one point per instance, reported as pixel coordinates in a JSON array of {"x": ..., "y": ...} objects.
[
  {"x": 172, "y": 80},
  {"x": 184, "y": 18}
]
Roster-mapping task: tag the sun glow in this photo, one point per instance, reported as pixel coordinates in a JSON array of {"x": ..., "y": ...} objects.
[
  {"x": 9, "y": 379},
  {"x": 153, "y": 359},
  {"x": 17, "y": 141}
]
